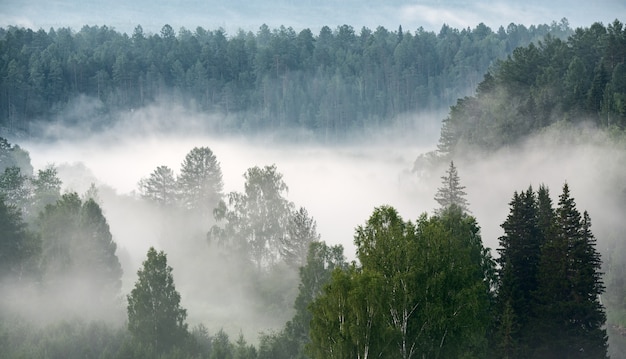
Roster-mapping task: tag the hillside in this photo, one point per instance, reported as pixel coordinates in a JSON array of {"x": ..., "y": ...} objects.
[
  {"x": 332, "y": 83},
  {"x": 554, "y": 82}
]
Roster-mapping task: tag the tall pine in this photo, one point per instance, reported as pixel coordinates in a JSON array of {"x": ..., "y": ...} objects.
[
  {"x": 451, "y": 193},
  {"x": 549, "y": 281},
  {"x": 519, "y": 261},
  {"x": 571, "y": 285}
]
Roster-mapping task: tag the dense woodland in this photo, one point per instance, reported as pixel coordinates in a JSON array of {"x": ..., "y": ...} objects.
[
  {"x": 581, "y": 79},
  {"x": 426, "y": 287},
  {"x": 332, "y": 83}
]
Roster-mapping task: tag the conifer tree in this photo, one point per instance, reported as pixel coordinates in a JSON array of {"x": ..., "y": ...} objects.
[
  {"x": 571, "y": 313},
  {"x": 200, "y": 182},
  {"x": 519, "y": 261},
  {"x": 160, "y": 187},
  {"x": 78, "y": 250},
  {"x": 451, "y": 193},
  {"x": 155, "y": 317},
  {"x": 549, "y": 281}
]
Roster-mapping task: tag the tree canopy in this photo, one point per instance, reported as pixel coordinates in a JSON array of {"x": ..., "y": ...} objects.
[
  {"x": 549, "y": 281},
  {"x": 552, "y": 82},
  {"x": 422, "y": 290},
  {"x": 333, "y": 82}
]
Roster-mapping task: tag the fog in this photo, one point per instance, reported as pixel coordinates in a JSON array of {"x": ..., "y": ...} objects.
[{"x": 339, "y": 185}]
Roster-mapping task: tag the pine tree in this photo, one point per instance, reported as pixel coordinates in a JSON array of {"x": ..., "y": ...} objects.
[
  {"x": 301, "y": 232},
  {"x": 155, "y": 317},
  {"x": 200, "y": 182},
  {"x": 570, "y": 317},
  {"x": 451, "y": 193},
  {"x": 519, "y": 261},
  {"x": 78, "y": 251},
  {"x": 549, "y": 281},
  {"x": 160, "y": 187}
]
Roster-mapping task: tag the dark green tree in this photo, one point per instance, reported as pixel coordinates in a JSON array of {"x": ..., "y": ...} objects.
[
  {"x": 549, "y": 281},
  {"x": 243, "y": 350},
  {"x": 155, "y": 317},
  {"x": 572, "y": 316},
  {"x": 290, "y": 343},
  {"x": 422, "y": 291},
  {"x": 14, "y": 156},
  {"x": 520, "y": 252},
  {"x": 221, "y": 347},
  {"x": 14, "y": 187},
  {"x": 46, "y": 189}
]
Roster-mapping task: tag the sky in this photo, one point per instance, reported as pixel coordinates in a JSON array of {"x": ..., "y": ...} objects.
[{"x": 249, "y": 15}]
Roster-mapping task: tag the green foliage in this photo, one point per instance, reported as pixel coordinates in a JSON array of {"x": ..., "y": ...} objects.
[
  {"x": 422, "y": 291},
  {"x": 160, "y": 187},
  {"x": 155, "y": 318},
  {"x": 541, "y": 84},
  {"x": 549, "y": 281},
  {"x": 67, "y": 339},
  {"x": 520, "y": 253},
  {"x": 200, "y": 181},
  {"x": 290, "y": 343},
  {"x": 78, "y": 250},
  {"x": 336, "y": 81},
  {"x": 46, "y": 189},
  {"x": 14, "y": 187},
  {"x": 301, "y": 232},
  {"x": 14, "y": 156}
]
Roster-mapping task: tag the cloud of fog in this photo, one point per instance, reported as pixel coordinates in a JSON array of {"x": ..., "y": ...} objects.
[
  {"x": 339, "y": 185},
  {"x": 585, "y": 158}
]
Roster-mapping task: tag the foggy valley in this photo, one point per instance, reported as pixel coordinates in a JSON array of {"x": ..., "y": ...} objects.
[{"x": 299, "y": 194}]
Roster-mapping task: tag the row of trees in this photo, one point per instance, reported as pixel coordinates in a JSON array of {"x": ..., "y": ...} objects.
[
  {"x": 329, "y": 82},
  {"x": 59, "y": 242},
  {"x": 259, "y": 224},
  {"x": 548, "y": 296},
  {"x": 580, "y": 79},
  {"x": 65, "y": 253},
  {"x": 423, "y": 289},
  {"x": 432, "y": 290}
]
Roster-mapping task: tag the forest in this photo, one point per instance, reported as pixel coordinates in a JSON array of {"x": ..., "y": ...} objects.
[
  {"x": 333, "y": 83},
  {"x": 424, "y": 287}
]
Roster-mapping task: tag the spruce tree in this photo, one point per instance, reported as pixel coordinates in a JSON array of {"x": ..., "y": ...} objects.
[
  {"x": 155, "y": 317},
  {"x": 549, "y": 281},
  {"x": 451, "y": 193},
  {"x": 570, "y": 317},
  {"x": 519, "y": 261}
]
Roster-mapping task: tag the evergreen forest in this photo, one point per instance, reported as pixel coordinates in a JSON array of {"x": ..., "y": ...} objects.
[
  {"x": 245, "y": 274},
  {"x": 332, "y": 83}
]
